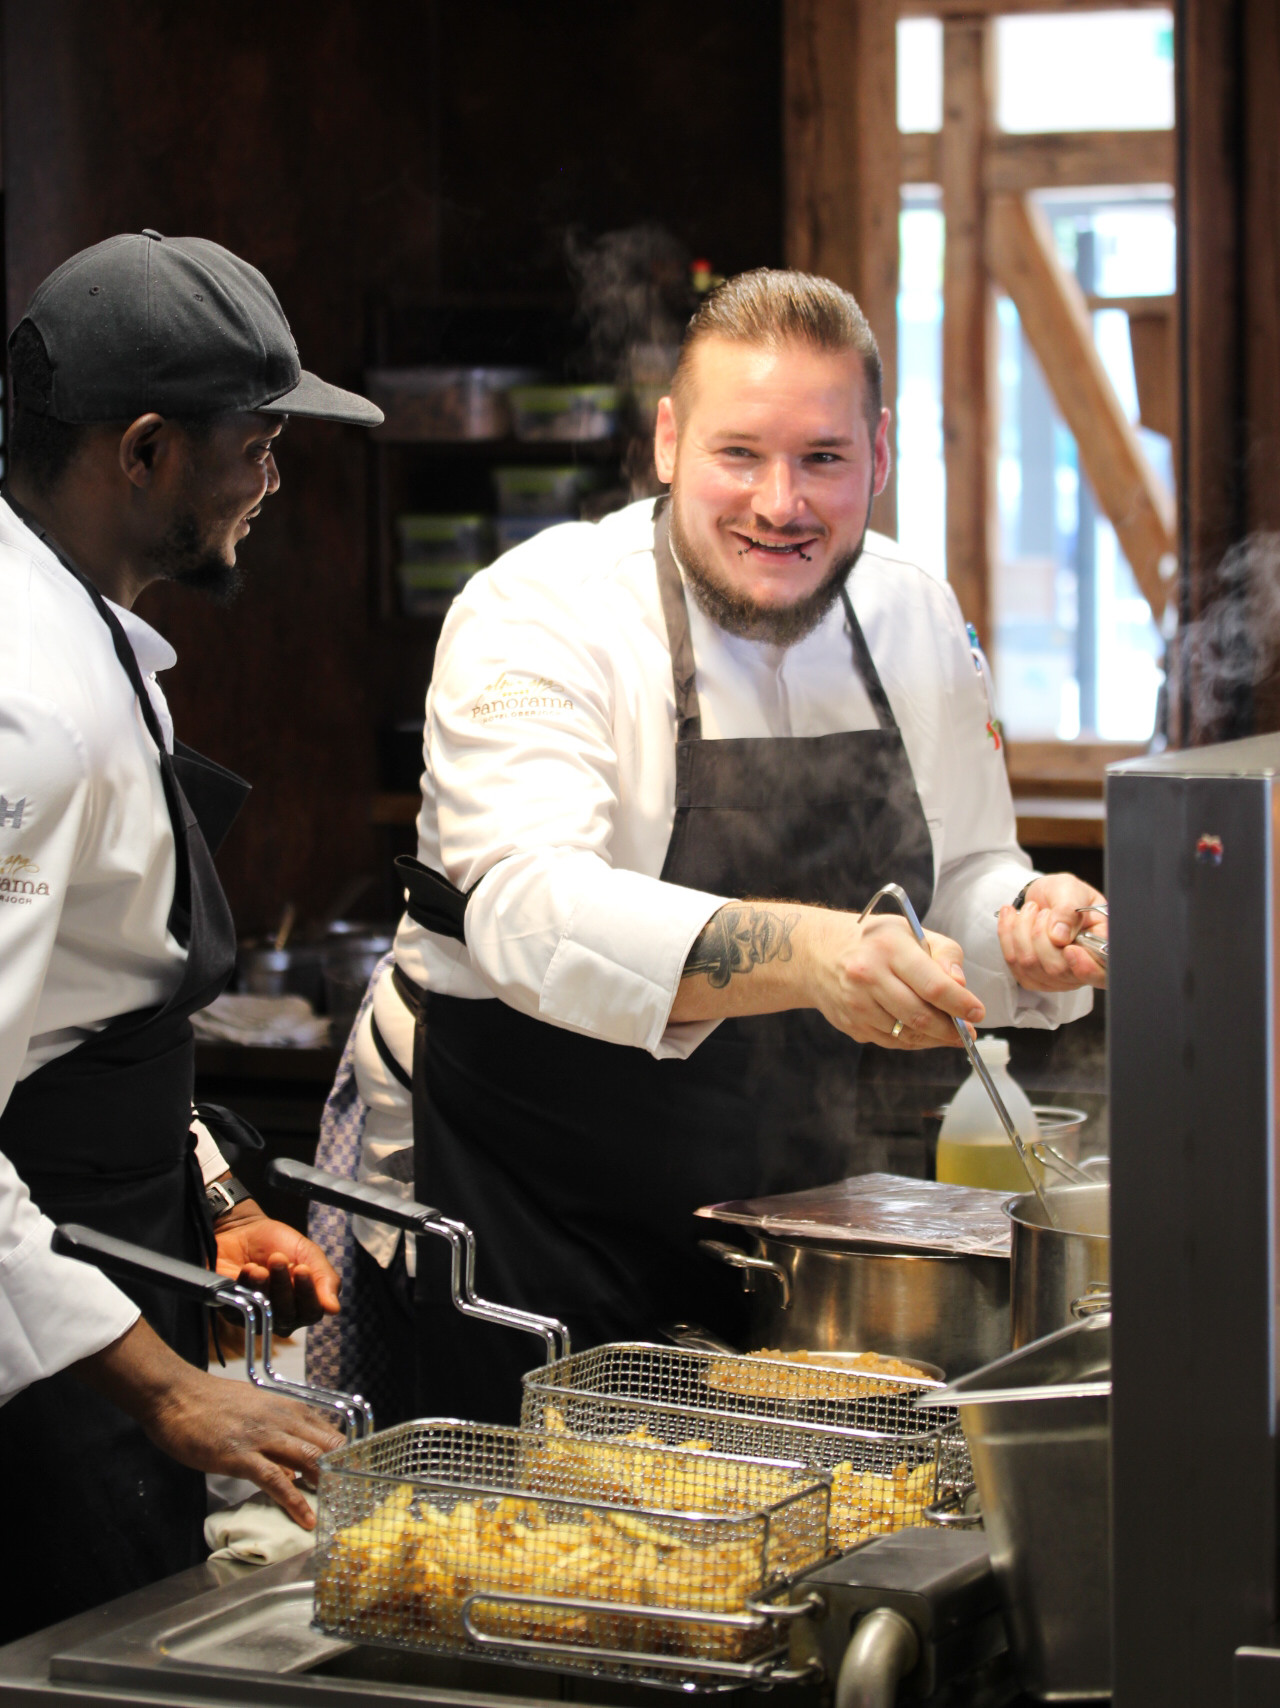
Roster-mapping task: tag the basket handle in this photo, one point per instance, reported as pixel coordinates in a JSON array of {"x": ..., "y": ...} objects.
[
  {"x": 121, "y": 1257},
  {"x": 287, "y": 1175},
  {"x": 360, "y": 1198},
  {"x": 136, "y": 1263}
]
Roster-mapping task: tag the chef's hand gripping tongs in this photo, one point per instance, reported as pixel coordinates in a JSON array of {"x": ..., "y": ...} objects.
[
  {"x": 207, "y": 1287},
  {"x": 902, "y": 901},
  {"x": 361, "y": 1199}
]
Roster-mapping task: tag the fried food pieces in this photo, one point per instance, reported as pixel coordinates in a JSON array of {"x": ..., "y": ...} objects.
[
  {"x": 405, "y": 1569},
  {"x": 809, "y": 1375}
]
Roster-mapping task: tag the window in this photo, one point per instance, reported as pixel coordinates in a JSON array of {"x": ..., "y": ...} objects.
[{"x": 1075, "y": 648}]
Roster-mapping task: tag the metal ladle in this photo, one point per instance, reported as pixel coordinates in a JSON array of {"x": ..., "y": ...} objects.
[{"x": 902, "y": 901}]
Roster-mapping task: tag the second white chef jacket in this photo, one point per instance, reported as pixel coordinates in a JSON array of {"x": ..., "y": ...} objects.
[
  {"x": 549, "y": 786},
  {"x": 86, "y": 883}
]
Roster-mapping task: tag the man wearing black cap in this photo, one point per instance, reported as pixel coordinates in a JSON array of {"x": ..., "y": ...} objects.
[{"x": 151, "y": 379}]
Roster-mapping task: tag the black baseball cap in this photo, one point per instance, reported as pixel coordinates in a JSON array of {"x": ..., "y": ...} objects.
[{"x": 178, "y": 325}]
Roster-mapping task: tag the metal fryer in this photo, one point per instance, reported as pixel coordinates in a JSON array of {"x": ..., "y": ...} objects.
[{"x": 896, "y": 1614}]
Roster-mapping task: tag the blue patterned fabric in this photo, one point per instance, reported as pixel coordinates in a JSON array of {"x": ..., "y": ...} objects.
[{"x": 337, "y": 1353}]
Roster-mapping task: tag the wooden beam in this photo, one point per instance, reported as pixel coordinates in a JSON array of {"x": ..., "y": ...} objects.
[
  {"x": 919, "y": 157},
  {"x": 996, "y": 8},
  {"x": 1066, "y": 159},
  {"x": 969, "y": 343},
  {"x": 1050, "y": 160},
  {"x": 841, "y": 212},
  {"x": 1021, "y": 254}
]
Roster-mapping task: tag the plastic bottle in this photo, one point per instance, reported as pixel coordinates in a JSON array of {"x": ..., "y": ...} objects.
[{"x": 973, "y": 1148}]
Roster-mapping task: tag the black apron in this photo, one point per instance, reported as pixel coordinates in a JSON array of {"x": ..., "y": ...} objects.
[
  {"x": 579, "y": 1163},
  {"x": 101, "y": 1135}
]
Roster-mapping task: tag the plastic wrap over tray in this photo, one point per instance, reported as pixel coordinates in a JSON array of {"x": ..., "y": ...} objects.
[{"x": 882, "y": 1210}]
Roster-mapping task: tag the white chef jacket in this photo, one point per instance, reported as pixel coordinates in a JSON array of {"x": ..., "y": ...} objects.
[
  {"x": 550, "y": 787},
  {"x": 87, "y": 865}
]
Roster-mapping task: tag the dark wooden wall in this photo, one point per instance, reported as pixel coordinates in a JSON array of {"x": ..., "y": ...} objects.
[
  {"x": 1229, "y": 195},
  {"x": 360, "y": 149}
]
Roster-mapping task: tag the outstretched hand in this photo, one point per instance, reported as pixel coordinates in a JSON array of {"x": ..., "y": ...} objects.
[{"x": 298, "y": 1279}]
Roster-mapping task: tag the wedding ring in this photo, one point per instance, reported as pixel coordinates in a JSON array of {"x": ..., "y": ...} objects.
[{"x": 897, "y": 1029}]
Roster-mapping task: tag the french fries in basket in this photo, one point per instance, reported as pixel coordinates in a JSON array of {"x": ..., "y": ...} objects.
[{"x": 714, "y": 1533}]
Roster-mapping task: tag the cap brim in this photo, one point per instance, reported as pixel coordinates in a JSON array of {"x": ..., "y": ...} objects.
[{"x": 324, "y": 402}]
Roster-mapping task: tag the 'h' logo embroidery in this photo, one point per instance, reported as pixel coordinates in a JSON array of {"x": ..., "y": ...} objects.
[{"x": 11, "y": 813}]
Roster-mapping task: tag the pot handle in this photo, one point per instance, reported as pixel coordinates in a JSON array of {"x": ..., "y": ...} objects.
[
  {"x": 1095, "y": 1301},
  {"x": 750, "y": 1266}
]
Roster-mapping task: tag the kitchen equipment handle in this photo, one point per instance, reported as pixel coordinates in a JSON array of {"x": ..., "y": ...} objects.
[
  {"x": 359, "y": 1198},
  {"x": 949, "y": 1512},
  {"x": 750, "y": 1266},
  {"x": 121, "y": 1257},
  {"x": 207, "y": 1287},
  {"x": 1094, "y": 1302},
  {"x": 902, "y": 901},
  {"x": 284, "y": 1173}
]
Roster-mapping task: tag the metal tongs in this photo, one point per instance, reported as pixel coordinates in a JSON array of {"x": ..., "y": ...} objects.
[
  {"x": 361, "y": 1199},
  {"x": 207, "y": 1287},
  {"x": 902, "y": 901},
  {"x": 1098, "y": 947}
]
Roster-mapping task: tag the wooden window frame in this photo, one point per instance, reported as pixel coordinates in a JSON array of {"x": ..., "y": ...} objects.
[{"x": 842, "y": 208}]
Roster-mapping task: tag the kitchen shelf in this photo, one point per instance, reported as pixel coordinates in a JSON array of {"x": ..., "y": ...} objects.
[{"x": 1054, "y": 821}]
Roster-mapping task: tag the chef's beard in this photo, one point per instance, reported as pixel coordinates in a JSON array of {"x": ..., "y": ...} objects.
[
  {"x": 738, "y": 614},
  {"x": 184, "y": 555}
]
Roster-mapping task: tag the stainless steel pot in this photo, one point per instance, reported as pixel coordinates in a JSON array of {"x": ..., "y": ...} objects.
[
  {"x": 952, "y": 1311},
  {"x": 1053, "y": 1268}
]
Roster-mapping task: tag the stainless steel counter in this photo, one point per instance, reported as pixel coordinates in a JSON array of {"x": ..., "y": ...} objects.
[{"x": 223, "y": 1633}]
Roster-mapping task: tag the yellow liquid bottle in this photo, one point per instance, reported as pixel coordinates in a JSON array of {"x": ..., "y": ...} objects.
[{"x": 973, "y": 1148}]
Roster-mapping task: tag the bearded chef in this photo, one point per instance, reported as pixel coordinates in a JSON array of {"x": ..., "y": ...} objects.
[
  {"x": 669, "y": 758},
  {"x": 151, "y": 380}
]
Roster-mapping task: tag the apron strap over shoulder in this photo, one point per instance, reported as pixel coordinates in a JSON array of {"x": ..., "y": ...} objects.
[{"x": 679, "y": 642}]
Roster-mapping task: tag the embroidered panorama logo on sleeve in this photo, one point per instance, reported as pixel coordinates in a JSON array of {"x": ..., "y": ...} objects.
[
  {"x": 513, "y": 696},
  {"x": 20, "y": 883}
]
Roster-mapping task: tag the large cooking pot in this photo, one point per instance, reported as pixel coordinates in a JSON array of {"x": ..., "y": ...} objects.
[
  {"x": 944, "y": 1309},
  {"x": 1053, "y": 1268}
]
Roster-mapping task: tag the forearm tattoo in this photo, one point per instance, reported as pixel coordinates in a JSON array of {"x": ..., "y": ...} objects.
[{"x": 737, "y": 939}]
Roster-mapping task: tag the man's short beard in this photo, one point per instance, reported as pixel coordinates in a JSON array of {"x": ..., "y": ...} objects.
[
  {"x": 185, "y": 556},
  {"x": 738, "y": 614}
]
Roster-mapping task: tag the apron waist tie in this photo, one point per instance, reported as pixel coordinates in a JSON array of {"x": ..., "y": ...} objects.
[{"x": 412, "y": 994}]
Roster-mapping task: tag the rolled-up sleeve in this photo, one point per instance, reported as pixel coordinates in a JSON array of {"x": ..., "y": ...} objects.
[
  {"x": 982, "y": 867},
  {"x": 521, "y": 748},
  {"x": 53, "y": 1310}
]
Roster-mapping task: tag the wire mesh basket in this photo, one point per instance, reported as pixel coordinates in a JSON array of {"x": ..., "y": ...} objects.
[
  {"x": 616, "y": 1557},
  {"x": 888, "y": 1463}
]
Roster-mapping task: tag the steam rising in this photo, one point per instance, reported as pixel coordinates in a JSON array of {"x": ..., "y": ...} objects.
[
  {"x": 1236, "y": 644},
  {"x": 634, "y": 299}
]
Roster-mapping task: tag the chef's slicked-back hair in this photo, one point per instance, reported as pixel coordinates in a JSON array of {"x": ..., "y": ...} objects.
[{"x": 773, "y": 307}]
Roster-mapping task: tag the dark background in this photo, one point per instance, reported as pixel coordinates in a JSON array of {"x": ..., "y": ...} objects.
[{"x": 365, "y": 156}]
